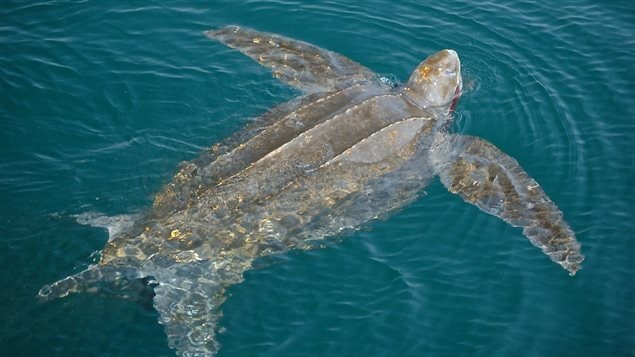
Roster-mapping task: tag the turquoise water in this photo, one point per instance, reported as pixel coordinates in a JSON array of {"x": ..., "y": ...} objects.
[{"x": 99, "y": 102}]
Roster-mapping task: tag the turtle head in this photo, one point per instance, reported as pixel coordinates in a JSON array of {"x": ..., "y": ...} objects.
[{"x": 436, "y": 82}]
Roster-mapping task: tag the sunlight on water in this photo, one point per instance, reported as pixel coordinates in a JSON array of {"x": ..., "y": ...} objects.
[{"x": 100, "y": 103}]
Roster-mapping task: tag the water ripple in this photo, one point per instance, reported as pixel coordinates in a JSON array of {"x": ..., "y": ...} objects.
[{"x": 100, "y": 101}]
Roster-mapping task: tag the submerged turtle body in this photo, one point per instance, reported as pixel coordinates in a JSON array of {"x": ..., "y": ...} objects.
[
  {"x": 350, "y": 150},
  {"x": 293, "y": 184}
]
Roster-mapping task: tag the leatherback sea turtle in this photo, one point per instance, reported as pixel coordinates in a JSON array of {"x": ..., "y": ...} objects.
[{"x": 348, "y": 151}]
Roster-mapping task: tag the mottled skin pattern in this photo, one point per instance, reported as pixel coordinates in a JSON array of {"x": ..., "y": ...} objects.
[
  {"x": 349, "y": 151},
  {"x": 495, "y": 183}
]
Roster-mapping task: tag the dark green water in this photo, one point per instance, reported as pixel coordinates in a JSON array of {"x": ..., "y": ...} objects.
[{"x": 99, "y": 102}]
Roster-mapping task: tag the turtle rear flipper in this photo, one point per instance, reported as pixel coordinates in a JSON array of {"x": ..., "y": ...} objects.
[
  {"x": 188, "y": 299},
  {"x": 120, "y": 281},
  {"x": 493, "y": 181}
]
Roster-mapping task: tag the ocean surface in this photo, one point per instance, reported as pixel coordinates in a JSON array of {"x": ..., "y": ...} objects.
[{"x": 101, "y": 100}]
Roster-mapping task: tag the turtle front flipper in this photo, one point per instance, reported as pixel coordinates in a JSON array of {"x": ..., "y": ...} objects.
[
  {"x": 299, "y": 64},
  {"x": 493, "y": 181}
]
